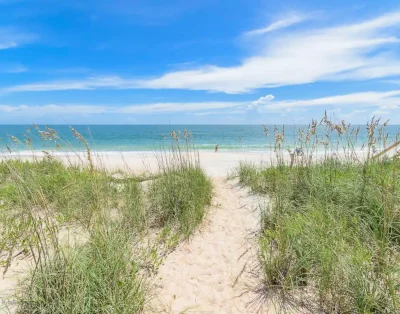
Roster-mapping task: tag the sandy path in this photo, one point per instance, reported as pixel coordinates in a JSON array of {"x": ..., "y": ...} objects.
[{"x": 211, "y": 272}]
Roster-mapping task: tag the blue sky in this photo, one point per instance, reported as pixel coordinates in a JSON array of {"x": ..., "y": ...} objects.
[{"x": 209, "y": 61}]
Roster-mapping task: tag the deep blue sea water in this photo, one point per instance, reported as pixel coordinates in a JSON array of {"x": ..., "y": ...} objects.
[{"x": 150, "y": 137}]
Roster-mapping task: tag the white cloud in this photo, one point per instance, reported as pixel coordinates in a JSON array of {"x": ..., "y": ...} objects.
[
  {"x": 112, "y": 82},
  {"x": 349, "y": 107},
  {"x": 7, "y": 45},
  {"x": 357, "y": 51},
  {"x": 11, "y": 37},
  {"x": 179, "y": 107},
  {"x": 261, "y": 101},
  {"x": 289, "y": 20},
  {"x": 345, "y": 52},
  {"x": 380, "y": 113},
  {"x": 52, "y": 108},
  {"x": 384, "y": 100},
  {"x": 106, "y": 109},
  {"x": 362, "y": 99},
  {"x": 354, "y": 107},
  {"x": 214, "y": 112},
  {"x": 8, "y": 109}
]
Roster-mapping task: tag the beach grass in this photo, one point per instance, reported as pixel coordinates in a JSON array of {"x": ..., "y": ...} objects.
[
  {"x": 103, "y": 272},
  {"x": 97, "y": 277},
  {"x": 181, "y": 194},
  {"x": 329, "y": 240}
]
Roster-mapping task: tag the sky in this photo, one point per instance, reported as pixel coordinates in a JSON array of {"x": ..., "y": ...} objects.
[{"x": 198, "y": 62}]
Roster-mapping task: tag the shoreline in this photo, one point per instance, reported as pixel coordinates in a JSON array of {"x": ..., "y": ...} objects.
[
  {"x": 214, "y": 164},
  {"x": 147, "y": 162},
  {"x": 44, "y": 152},
  {"x": 38, "y": 153}
]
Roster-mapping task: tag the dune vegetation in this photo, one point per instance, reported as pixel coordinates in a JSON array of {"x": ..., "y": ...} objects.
[
  {"x": 329, "y": 239},
  {"x": 330, "y": 236},
  {"x": 105, "y": 268}
]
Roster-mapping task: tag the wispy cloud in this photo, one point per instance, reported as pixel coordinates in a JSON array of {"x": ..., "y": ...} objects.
[
  {"x": 287, "y": 21},
  {"x": 7, "y": 45},
  {"x": 51, "y": 109},
  {"x": 268, "y": 103},
  {"x": 179, "y": 107},
  {"x": 348, "y": 106},
  {"x": 152, "y": 108},
  {"x": 345, "y": 52},
  {"x": 109, "y": 82},
  {"x": 362, "y": 99},
  {"x": 223, "y": 113},
  {"x": 342, "y": 52},
  {"x": 351, "y": 107},
  {"x": 11, "y": 37}
]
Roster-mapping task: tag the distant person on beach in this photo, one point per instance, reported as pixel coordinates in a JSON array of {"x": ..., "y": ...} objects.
[
  {"x": 216, "y": 148},
  {"x": 299, "y": 151}
]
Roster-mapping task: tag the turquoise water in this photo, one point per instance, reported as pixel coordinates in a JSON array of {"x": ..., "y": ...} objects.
[{"x": 150, "y": 137}]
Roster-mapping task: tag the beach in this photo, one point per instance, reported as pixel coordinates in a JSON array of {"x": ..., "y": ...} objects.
[
  {"x": 214, "y": 270},
  {"x": 199, "y": 157},
  {"x": 217, "y": 268},
  {"x": 215, "y": 164},
  {"x": 139, "y": 163}
]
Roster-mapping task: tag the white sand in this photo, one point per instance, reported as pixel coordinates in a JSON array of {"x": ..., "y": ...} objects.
[
  {"x": 215, "y": 164},
  {"x": 17, "y": 271},
  {"x": 214, "y": 271}
]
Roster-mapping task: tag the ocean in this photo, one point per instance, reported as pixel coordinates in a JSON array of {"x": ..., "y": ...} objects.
[{"x": 129, "y": 138}]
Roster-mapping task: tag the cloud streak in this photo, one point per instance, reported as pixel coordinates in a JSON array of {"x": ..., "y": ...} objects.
[
  {"x": 357, "y": 51},
  {"x": 290, "y": 20},
  {"x": 11, "y": 37},
  {"x": 108, "y": 82},
  {"x": 154, "y": 108},
  {"x": 360, "y": 102},
  {"x": 344, "y": 52},
  {"x": 362, "y": 99}
]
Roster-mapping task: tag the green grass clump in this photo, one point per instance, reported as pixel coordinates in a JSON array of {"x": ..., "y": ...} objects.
[
  {"x": 100, "y": 271},
  {"x": 99, "y": 277},
  {"x": 75, "y": 192},
  {"x": 67, "y": 194},
  {"x": 180, "y": 195},
  {"x": 332, "y": 230}
]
